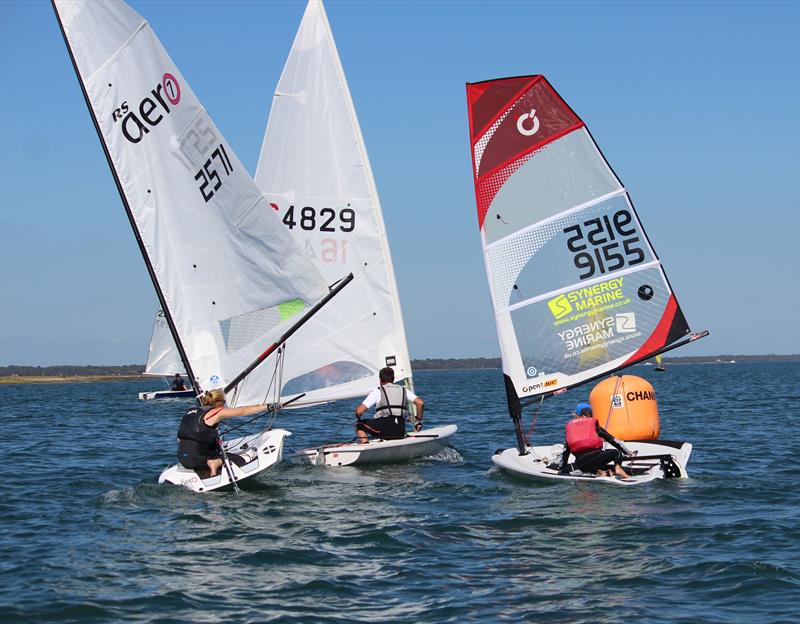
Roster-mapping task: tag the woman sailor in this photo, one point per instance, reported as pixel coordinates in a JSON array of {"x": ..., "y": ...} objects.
[{"x": 198, "y": 437}]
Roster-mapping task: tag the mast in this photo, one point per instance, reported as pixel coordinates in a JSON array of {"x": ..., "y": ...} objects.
[
  {"x": 515, "y": 411},
  {"x": 159, "y": 293}
]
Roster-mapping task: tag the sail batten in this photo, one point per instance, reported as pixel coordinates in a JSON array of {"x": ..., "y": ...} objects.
[{"x": 577, "y": 289}]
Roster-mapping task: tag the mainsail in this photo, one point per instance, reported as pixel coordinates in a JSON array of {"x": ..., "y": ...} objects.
[
  {"x": 228, "y": 276},
  {"x": 163, "y": 358},
  {"x": 315, "y": 173},
  {"x": 577, "y": 288}
]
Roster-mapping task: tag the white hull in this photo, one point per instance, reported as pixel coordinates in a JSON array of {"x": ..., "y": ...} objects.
[
  {"x": 268, "y": 447},
  {"x": 426, "y": 442},
  {"x": 542, "y": 462},
  {"x": 166, "y": 394}
]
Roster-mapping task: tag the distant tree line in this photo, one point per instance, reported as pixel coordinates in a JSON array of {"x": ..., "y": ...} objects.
[
  {"x": 70, "y": 371},
  {"x": 455, "y": 363},
  {"x": 418, "y": 365}
]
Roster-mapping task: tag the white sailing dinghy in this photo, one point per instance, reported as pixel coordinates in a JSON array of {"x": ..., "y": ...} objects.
[
  {"x": 228, "y": 277},
  {"x": 578, "y": 291},
  {"x": 163, "y": 360},
  {"x": 315, "y": 173}
]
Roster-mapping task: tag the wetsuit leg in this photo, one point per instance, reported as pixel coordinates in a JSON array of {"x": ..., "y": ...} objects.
[{"x": 596, "y": 459}]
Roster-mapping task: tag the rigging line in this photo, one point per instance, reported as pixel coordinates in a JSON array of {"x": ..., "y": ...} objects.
[
  {"x": 611, "y": 404},
  {"x": 528, "y": 437},
  {"x": 228, "y": 468}
]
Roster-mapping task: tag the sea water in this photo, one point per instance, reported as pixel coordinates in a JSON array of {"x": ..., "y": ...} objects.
[{"x": 87, "y": 535}]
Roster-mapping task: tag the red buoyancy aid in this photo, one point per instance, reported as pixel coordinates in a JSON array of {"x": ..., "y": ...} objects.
[{"x": 582, "y": 435}]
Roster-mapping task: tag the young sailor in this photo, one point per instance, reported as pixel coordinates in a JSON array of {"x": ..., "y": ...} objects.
[
  {"x": 177, "y": 383},
  {"x": 198, "y": 437},
  {"x": 391, "y": 410},
  {"x": 585, "y": 440}
]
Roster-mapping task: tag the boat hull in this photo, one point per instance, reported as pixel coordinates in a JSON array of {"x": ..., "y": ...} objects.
[
  {"x": 540, "y": 460},
  {"x": 166, "y": 394},
  {"x": 268, "y": 447},
  {"x": 425, "y": 442}
]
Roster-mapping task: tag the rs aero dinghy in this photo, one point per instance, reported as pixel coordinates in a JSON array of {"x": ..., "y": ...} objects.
[
  {"x": 229, "y": 277},
  {"x": 314, "y": 168},
  {"x": 315, "y": 175},
  {"x": 577, "y": 289}
]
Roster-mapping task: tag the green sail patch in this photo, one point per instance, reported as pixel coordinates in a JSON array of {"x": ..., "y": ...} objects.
[{"x": 288, "y": 309}]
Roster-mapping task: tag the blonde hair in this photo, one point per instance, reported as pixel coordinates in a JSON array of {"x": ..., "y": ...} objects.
[{"x": 212, "y": 397}]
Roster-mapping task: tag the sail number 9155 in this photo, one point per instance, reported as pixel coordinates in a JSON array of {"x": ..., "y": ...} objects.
[
  {"x": 604, "y": 244},
  {"x": 324, "y": 221}
]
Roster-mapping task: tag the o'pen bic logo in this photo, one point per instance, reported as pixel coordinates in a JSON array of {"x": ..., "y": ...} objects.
[
  {"x": 521, "y": 123},
  {"x": 560, "y": 306}
]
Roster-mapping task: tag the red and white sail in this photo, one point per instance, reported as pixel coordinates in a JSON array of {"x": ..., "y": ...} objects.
[{"x": 577, "y": 288}]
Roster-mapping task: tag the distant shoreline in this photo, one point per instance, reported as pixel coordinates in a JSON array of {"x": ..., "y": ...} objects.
[
  {"x": 45, "y": 379},
  {"x": 135, "y": 372}
]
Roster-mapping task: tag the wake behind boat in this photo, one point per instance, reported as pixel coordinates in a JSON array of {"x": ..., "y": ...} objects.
[{"x": 577, "y": 289}]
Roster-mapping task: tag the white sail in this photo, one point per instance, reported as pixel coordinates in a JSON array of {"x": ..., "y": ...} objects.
[
  {"x": 315, "y": 173},
  {"x": 231, "y": 277},
  {"x": 163, "y": 359}
]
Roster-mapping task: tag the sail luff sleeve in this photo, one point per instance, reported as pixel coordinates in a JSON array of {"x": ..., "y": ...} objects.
[{"x": 576, "y": 286}]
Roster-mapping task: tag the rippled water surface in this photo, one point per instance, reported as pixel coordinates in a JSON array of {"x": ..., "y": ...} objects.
[{"x": 88, "y": 535}]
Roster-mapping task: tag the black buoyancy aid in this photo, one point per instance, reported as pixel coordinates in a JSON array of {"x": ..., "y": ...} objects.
[
  {"x": 393, "y": 401},
  {"x": 193, "y": 427}
]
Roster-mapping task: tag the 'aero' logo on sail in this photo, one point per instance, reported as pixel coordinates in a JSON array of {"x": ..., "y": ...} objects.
[{"x": 150, "y": 110}]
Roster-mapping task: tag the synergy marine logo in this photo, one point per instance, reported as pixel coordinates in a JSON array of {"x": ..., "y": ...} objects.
[
  {"x": 580, "y": 302},
  {"x": 150, "y": 111}
]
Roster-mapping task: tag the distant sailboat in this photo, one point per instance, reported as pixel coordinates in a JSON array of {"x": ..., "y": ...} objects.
[
  {"x": 229, "y": 278},
  {"x": 578, "y": 291},
  {"x": 163, "y": 360},
  {"x": 660, "y": 367}
]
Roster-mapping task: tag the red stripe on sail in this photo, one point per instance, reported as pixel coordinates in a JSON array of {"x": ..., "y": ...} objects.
[
  {"x": 659, "y": 336},
  {"x": 487, "y": 101},
  {"x": 512, "y": 129}
]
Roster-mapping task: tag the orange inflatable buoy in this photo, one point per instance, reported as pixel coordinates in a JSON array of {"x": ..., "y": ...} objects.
[{"x": 626, "y": 408}]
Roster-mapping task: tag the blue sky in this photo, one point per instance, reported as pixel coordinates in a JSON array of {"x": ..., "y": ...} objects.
[{"x": 695, "y": 105}]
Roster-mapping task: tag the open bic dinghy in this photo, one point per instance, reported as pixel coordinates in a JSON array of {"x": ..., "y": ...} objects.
[
  {"x": 228, "y": 276},
  {"x": 578, "y": 291},
  {"x": 316, "y": 175}
]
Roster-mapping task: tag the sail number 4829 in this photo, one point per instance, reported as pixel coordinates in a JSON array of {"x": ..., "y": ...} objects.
[
  {"x": 326, "y": 220},
  {"x": 604, "y": 244}
]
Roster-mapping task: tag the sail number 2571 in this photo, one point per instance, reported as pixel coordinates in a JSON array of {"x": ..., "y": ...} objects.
[{"x": 604, "y": 244}]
